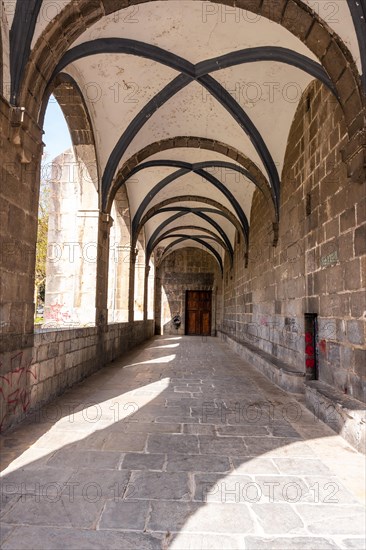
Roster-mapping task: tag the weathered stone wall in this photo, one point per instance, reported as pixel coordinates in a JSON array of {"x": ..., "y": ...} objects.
[
  {"x": 58, "y": 360},
  {"x": 119, "y": 259},
  {"x": 72, "y": 245},
  {"x": 139, "y": 278},
  {"x": 185, "y": 269},
  {"x": 20, "y": 146},
  {"x": 150, "y": 291},
  {"x": 319, "y": 264}
]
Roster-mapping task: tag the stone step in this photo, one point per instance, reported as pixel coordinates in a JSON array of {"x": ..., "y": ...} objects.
[
  {"x": 343, "y": 413},
  {"x": 280, "y": 373}
]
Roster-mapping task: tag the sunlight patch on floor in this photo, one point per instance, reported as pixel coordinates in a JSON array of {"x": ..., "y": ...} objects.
[
  {"x": 167, "y": 359},
  {"x": 165, "y": 347},
  {"x": 86, "y": 421}
]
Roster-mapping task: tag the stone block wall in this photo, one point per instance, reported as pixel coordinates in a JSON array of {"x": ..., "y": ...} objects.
[
  {"x": 59, "y": 359},
  {"x": 185, "y": 269},
  {"x": 20, "y": 146},
  {"x": 319, "y": 264},
  {"x": 139, "y": 278}
]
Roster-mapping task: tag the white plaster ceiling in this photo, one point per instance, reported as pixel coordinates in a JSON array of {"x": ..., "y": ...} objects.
[
  {"x": 189, "y": 184},
  {"x": 171, "y": 26},
  {"x": 192, "y": 155},
  {"x": 191, "y": 113},
  {"x": 190, "y": 219},
  {"x": 193, "y": 244},
  {"x": 139, "y": 186},
  {"x": 269, "y": 93},
  {"x": 188, "y": 242},
  {"x": 193, "y": 184},
  {"x": 176, "y": 234},
  {"x": 117, "y": 87},
  {"x": 212, "y": 22}
]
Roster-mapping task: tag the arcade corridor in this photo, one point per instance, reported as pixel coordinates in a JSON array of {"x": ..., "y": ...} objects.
[{"x": 195, "y": 256}]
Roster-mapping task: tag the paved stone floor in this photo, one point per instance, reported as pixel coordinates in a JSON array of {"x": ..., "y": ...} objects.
[{"x": 180, "y": 445}]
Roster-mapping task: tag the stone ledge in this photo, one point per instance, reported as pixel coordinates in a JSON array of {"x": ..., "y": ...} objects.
[
  {"x": 344, "y": 414},
  {"x": 280, "y": 373}
]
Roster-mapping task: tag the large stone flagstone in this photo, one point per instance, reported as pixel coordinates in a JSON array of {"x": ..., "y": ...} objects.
[{"x": 197, "y": 453}]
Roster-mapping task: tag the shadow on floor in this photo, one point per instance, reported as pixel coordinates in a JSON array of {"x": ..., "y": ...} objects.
[{"x": 180, "y": 444}]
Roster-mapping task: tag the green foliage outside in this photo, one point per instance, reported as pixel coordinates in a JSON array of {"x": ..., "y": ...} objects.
[{"x": 41, "y": 252}]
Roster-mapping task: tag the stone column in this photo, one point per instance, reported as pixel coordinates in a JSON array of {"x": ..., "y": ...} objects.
[
  {"x": 157, "y": 309},
  {"x": 146, "y": 291},
  {"x": 131, "y": 286},
  {"x": 20, "y": 155},
  {"x": 104, "y": 226}
]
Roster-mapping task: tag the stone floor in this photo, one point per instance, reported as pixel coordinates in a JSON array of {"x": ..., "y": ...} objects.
[{"x": 180, "y": 445}]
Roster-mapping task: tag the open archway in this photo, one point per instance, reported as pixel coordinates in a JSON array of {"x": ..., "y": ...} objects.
[
  {"x": 72, "y": 227},
  {"x": 217, "y": 188}
]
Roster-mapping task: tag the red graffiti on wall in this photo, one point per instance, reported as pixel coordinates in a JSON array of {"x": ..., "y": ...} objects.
[
  {"x": 323, "y": 346},
  {"x": 58, "y": 313},
  {"x": 14, "y": 389},
  {"x": 309, "y": 350}
]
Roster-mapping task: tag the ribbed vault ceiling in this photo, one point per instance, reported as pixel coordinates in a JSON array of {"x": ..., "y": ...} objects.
[{"x": 158, "y": 70}]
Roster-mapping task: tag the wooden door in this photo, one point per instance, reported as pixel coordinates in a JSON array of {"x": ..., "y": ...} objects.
[{"x": 198, "y": 312}]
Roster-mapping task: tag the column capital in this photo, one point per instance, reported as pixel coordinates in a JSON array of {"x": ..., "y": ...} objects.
[
  {"x": 134, "y": 254},
  {"x": 276, "y": 230},
  {"x": 106, "y": 219},
  {"x": 25, "y": 134}
]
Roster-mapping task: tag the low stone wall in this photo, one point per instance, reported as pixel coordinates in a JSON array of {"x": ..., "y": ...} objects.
[
  {"x": 343, "y": 413},
  {"x": 59, "y": 359},
  {"x": 280, "y": 373}
]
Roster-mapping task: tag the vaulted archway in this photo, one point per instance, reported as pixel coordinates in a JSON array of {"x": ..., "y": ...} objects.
[{"x": 220, "y": 148}]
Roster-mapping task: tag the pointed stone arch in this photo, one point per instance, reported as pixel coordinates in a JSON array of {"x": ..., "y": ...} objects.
[
  {"x": 189, "y": 142},
  {"x": 293, "y": 15}
]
